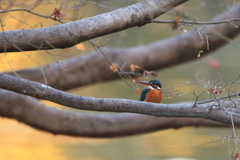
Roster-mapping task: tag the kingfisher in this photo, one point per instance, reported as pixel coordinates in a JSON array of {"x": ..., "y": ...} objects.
[{"x": 153, "y": 92}]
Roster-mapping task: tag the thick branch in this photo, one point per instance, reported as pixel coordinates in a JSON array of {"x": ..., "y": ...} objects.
[
  {"x": 42, "y": 91},
  {"x": 70, "y": 34},
  {"x": 154, "y": 56},
  {"x": 30, "y": 111}
]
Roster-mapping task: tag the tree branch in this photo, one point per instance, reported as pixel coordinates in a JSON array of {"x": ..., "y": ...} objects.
[
  {"x": 33, "y": 113},
  {"x": 220, "y": 98},
  {"x": 29, "y": 11},
  {"x": 183, "y": 22},
  {"x": 153, "y": 56},
  {"x": 70, "y": 34},
  {"x": 45, "y": 92}
]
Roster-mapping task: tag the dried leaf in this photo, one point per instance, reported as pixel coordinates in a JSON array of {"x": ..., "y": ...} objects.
[
  {"x": 237, "y": 156},
  {"x": 170, "y": 96},
  {"x": 213, "y": 63},
  {"x": 57, "y": 14},
  {"x": 208, "y": 92},
  {"x": 114, "y": 67},
  {"x": 154, "y": 74},
  {"x": 133, "y": 67},
  {"x": 151, "y": 73},
  {"x": 80, "y": 46},
  {"x": 199, "y": 53},
  {"x": 176, "y": 22}
]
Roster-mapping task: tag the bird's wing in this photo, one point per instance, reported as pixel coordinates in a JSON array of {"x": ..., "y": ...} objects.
[{"x": 144, "y": 94}]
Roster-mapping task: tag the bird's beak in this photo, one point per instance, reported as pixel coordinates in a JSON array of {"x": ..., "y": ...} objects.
[{"x": 143, "y": 82}]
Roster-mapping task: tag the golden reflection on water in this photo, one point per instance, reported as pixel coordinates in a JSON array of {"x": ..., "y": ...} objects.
[{"x": 19, "y": 141}]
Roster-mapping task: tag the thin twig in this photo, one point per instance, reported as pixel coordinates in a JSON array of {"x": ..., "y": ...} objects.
[
  {"x": 197, "y": 22},
  {"x": 97, "y": 48},
  {"x": 29, "y": 11},
  {"x": 234, "y": 134},
  {"x": 5, "y": 51},
  {"x": 220, "y": 98}
]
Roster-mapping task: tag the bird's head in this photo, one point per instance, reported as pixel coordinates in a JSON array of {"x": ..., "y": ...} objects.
[{"x": 154, "y": 83}]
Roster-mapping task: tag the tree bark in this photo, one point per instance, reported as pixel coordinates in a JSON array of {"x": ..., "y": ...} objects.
[
  {"x": 70, "y": 34},
  {"x": 33, "y": 113},
  {"x": 191, "y": 110}
]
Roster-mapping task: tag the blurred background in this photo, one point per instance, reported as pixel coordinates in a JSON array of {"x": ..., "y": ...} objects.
[{"x": 19, "y": 141}]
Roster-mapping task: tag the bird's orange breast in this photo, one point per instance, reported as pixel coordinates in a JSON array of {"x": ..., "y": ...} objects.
[{"x": 154, "y": 95}]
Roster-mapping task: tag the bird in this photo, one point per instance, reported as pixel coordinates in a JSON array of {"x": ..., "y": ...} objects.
[{"x": 153, "y": 93}]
